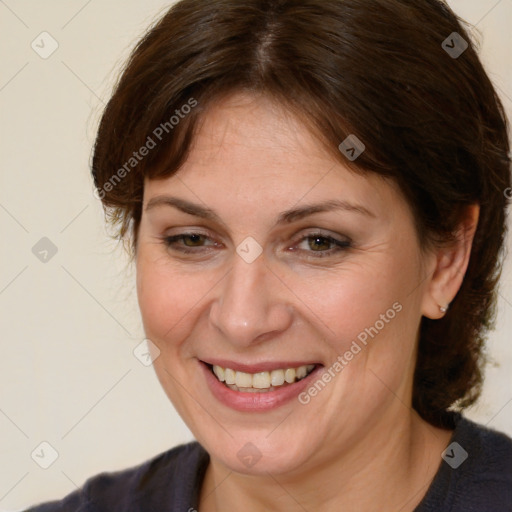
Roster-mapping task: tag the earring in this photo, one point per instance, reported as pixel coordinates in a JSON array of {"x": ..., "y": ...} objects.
[{"x": 444, "y": 309}]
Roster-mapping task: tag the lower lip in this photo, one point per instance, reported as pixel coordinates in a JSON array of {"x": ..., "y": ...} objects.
[{"x": 257, "y": 402}]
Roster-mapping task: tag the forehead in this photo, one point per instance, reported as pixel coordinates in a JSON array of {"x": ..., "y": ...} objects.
[
  {"x": 242, "y": 122},
  {"x": 261, "y": 153}
]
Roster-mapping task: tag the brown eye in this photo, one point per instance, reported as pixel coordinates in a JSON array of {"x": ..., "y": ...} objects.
[
  {"x": 186, "y": 242},
  {"x": 193, "y": 238},
  {"x": 317, "y": 242},
  {"x": 323, "y": 245}
]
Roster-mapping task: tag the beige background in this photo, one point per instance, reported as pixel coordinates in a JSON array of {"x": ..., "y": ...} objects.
[{"x": 70, "y": 325}]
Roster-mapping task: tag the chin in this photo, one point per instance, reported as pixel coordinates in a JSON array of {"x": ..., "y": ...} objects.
[{"x": 258, "y": 453}]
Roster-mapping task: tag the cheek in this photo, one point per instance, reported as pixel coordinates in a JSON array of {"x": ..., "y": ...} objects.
[
  {"x": 167, "y": 297},
  {"x": 367, "y": 314},
  {"x": 350, "y": 299}
]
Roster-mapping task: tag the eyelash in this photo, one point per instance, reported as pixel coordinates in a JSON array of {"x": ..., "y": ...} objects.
[{"x": 340, "y": 245}]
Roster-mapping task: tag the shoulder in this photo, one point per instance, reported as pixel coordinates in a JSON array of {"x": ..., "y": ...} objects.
[
  {"x": 489, "y": 457},
  {"x": 475, "y": 473},
  {"x": 171, "y": 478}
]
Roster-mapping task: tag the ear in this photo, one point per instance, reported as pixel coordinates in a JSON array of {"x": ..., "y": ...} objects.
[{"x": 449, "y": 265}]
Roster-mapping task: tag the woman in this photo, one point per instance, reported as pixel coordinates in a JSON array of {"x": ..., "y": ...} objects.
[{"x": 315, "y": 195}]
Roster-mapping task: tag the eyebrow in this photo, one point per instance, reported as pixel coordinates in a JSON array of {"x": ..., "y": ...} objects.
[{"x": 285, "y": 217}]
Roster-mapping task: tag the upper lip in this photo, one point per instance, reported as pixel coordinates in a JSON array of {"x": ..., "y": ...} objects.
[{"x": 264, "y": 366}]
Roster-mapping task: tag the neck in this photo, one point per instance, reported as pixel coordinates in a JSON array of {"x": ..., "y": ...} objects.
[{"x": 390, "y": 468}]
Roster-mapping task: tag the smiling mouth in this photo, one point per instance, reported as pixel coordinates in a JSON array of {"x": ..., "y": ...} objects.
[{"x": 260, "y": 382}]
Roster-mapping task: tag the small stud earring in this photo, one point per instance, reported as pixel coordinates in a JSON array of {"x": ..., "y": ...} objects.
[{"x": 444, "y": 309}]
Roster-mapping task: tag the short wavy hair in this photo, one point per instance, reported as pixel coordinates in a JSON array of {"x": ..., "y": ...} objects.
[{"x": 391, "y": 72}]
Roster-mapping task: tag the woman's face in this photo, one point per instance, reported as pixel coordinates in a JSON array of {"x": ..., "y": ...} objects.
[{"x": 248, "y": 287}]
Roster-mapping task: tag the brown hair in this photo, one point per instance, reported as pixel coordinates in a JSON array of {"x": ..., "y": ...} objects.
[{"x": 378, "y": 69}]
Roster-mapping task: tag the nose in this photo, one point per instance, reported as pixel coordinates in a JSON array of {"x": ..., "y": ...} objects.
[{"x": 251, "y": 306}]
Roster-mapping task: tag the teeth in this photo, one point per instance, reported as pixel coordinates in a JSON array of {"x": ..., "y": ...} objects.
[
  {"x": 277, "y": 377},
  {"x": 219, "y": 372},
  {"x": 289, "y": 375},
  {"x": 301, "y": 372},
  {"x": 243, "y": 380},
  {"x": 229, "y": 375},
  {"x": 252, "y": 382},
  {"x": 260, "y": 380}
]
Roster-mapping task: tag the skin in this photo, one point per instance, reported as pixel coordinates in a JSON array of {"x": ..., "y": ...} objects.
[{"x": 357, "y": 445}]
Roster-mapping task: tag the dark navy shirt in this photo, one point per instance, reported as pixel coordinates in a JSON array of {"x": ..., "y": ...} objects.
[{"x": 475, "y": 475}]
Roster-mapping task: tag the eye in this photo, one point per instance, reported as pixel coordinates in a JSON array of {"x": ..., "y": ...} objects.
[
  {"x": 186, "y": 242},
  {"x": 319, "y": 243}
]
